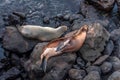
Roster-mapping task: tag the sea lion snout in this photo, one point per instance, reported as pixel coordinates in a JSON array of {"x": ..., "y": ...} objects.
[{"x": 85, "y": 28}]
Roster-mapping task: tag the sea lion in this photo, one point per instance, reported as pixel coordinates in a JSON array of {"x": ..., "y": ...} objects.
[
  {"x": 62, "y": 45},
  {"x": 41, "y": 33}
]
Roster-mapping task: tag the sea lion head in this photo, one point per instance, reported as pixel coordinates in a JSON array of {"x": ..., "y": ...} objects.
[
  {"x": 63, "y": 28},
  {"x": 85, "y": 28}
]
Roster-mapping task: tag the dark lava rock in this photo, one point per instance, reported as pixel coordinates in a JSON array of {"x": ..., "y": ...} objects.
[
  {"x": 1, "y": 52},
  {"x": 93, "y": 68},
  {"x": 109, "y": 48},
  {"x": 67, "y": 17},
  {"x": 75, "y": 17},
  {"x": 10, "y": 74},
  {"x": 76, "y": 66},
  {"x": 57, "y": 66},
  {"x": 96, "y": 39},
  {"x": 118, "y": 4},
  {"x": 58, "y": 72},
  {"x": 94, "y": 75},
  {"x": 76, "y": 74},
  {"x": 15, "y": 42},
  {"x": 115, "y": 34},
  {"x": 80, "y": 62},
  {"x": 2, "y": 30},
  {"x": 1, "y": 66},
  {"x": 46, "y": 20},
  {"x": 88, "y": 11},
  {"x": 116, "y": 51},
  {"x": 106, "y": 5},
  {"x": 115, "y": 76},
  {"x": 100, "y": 60},
  {"x": 115, "y": 62},
  {"x": 21, "y": 15},
  {"x": 106, "y": 67}
]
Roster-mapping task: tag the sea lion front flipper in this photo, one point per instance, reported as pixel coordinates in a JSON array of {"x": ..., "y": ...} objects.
[
  {"x": 62, "y": 45},
  {"x": 43, "y": 64}
]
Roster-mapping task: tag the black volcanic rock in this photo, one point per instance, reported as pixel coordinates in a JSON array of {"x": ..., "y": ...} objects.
[
  {"x": 106, "y": 5},
  {"x": 10, "y": 74},
  {"x": 76, "y": 74},
  {"x": 15, "y": 42}
]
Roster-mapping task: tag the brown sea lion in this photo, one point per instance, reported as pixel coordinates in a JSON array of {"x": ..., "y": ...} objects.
[
  {"x": 41, "y": 33},
  {"x": 65, "y": 44}
]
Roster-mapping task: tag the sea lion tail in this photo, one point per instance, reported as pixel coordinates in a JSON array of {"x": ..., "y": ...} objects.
[{"x": 43, "y": 64}]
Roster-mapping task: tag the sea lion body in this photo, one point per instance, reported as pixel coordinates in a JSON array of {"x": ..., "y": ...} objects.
[
  {"x": 65, "y": 44},
  {"x": 41, "y": 33}
]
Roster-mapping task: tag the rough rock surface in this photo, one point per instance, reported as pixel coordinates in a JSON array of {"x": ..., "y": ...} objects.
[
  {"x": 106, "y": 5},
  {"x": 15, "y": 42},
  {"x": 109, "y": 48},
  {"x": 93, "y": 75},
  {"x": 88, "y": 11},
  {"x": 76, "y": 74},
  {"x": 106, "y": 67},
  {"x": 11, "y": 74},
  {"x": 96, "y": 40},
  {"x": 115, "y": 76},
  {"x": 93, "y": 68},
  {"x": 118, "y": 4},
  {"x": 115, "y": 36},
  {"x": 115, "y": 62},
  {"x": 100, "y": 60}
]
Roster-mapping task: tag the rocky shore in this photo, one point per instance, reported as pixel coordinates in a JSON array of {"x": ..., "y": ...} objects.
[{"x": 98, "y": 59}]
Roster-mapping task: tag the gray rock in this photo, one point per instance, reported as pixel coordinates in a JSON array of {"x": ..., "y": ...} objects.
[
  {"x": 12, "y": 73},
  {"x": 116, "y": 51},
  {"x": 118, "y": 4},
  {"x": 109, "y": 48},
  {"x": 96, "y": 39},
  {"x": 106, "y": 67},
  {"x": 115, "y": 62},
  {"x": 76, "y": 66},
  {"x": 76, "y": 74},
  {"x": 88, "y": 11},
  {"x": 115, "y": 34},
  {"x": 94, "y": 75},
  {"x": 93, "y": 68},
  {"x": 115, "y": 76},
  {"x": 80, "y": 62},
  {"x": 15, "y": 42},
  {"x": 2, "y": 30},
  {"x": 100, "y": 60},
  {"x": 106, "y": 5},
  {"x": 58, "y": 72}
]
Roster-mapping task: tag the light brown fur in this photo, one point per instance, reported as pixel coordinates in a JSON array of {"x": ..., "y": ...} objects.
[{"x": 72, "y": 43}]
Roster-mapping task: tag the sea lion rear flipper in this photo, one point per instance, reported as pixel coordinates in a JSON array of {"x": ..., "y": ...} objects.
[{"x": 44, "y": 64}]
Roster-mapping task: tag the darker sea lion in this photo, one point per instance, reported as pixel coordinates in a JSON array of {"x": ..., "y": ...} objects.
[
  {"x": 62, "y": 45},
  {"x": 41, "y": 33}
]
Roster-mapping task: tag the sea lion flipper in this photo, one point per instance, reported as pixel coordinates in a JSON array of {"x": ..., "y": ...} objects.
[
  {"x": 62, "y": 45},
  {"x": 44, "y": 64}
]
